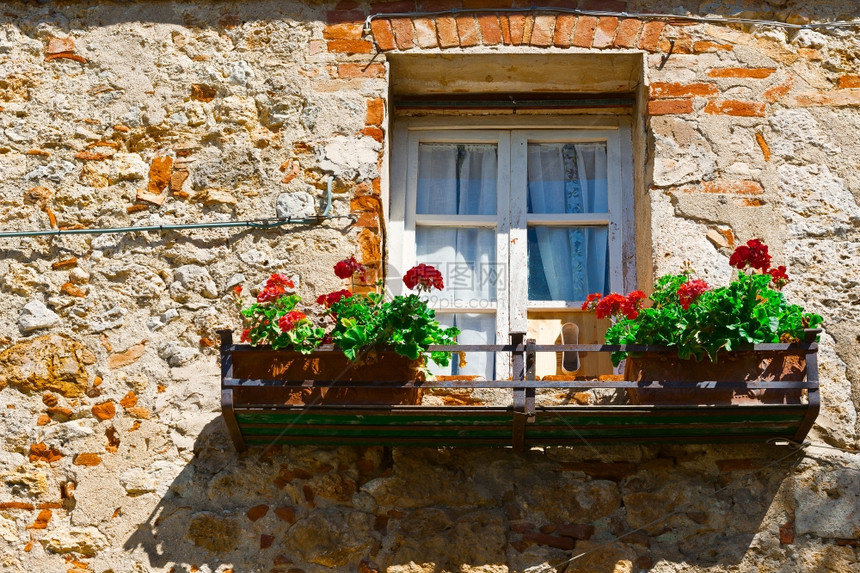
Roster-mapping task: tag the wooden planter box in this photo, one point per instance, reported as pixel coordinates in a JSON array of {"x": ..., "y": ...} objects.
[{"x": 283, "y": 398}]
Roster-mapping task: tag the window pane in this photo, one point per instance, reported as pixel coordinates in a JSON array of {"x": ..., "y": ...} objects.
[
  {"x": 474, "y": 329},
  {"x": 567, "y": 263},
  {"x": 567, "y": 178},
  {"x": 457, "y": 179},
  {"x": 467, "y": 260}
]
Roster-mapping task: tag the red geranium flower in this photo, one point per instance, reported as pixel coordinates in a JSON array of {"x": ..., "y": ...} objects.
[
  {"x": 333, "y": 297},
  {"x": 237, "y": 289},
  {"x": 690, "y": 291},
  {"x": 246, "y": 335},
  {"x": 778, "y": 276},
  {"x": 753, "y": 254},
  {"x": 275, "y": 288},
  {"x": 347, "y": 268},
  {"x": 631, "y": 305},
  {"x": 592, "y": 300},
  {"x": 290, "y": 320},
  {"x": 610, "y": 305},
  {"x": 424, "y": 277}
]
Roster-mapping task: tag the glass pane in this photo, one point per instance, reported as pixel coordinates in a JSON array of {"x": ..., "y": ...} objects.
[
  {"x": 567, "y": 263},
  {"x": 466, "y": 257},
  {"x": 567, "y": 178},
  {"x": 457, "y": 179},
  {"x": 474, "y": 329}
]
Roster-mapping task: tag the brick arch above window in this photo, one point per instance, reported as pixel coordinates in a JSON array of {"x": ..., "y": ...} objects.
[{"x": 541, "y": 30}]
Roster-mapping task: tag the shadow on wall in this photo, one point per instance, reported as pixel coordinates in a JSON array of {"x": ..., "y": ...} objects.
[{"x": 421, "y": 509}]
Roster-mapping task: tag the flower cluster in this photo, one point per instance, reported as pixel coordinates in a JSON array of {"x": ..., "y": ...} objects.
[
  {"x": 615, "y": 305},
  {"x": 424, "y": 277},
  {"x": 699, "y": 320},
  {"x": 290, "y": 320},
  {"x": 329, "y": 299},
  {"x": 348, "y": 268},
  {"x": 690, "y": 291},
  {"x": 275, "y": 288},
  {"x": 753, "y": 254},
  {"x": 355, "y": 323}
]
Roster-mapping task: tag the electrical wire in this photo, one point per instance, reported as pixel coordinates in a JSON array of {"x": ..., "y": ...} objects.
[
  {"x": 643, "y": 16},
  {"x": 270, "y": 223}
]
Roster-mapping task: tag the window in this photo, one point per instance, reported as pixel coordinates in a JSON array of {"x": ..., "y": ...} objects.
[{"x": 523, "y": 221}]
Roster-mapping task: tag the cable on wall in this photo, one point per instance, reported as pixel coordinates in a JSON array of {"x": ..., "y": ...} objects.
[{"x": 270, "y": 223}]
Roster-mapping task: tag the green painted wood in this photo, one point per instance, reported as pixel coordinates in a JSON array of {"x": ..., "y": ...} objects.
[{"x": 307, "y": 417}]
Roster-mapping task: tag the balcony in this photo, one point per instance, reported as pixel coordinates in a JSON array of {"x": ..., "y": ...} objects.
[{"x": 262, "y": 409}]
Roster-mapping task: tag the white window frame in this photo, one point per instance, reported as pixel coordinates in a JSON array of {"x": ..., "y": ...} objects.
[{"x": 511, "y": 221}]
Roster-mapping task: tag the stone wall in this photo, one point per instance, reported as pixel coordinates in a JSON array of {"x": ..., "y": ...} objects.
[{"x": 115, "y": 457}]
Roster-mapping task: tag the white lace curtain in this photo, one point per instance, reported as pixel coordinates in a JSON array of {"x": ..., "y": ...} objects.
[
  {"x": 461, "y": 180},
  {"x": 567, "y": 264}
]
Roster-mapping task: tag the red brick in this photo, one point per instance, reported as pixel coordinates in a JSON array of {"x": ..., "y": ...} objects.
[
  {"x": 518, "y": 26},
  {"x": 847, "y": 97},
  {"x": 425, "y": 32},
  {"x": 104, "y": 411},
  {"x": 726, "y": 187},
  {"x": 703, "y": 47},
  {"x": 369, "y": 220},
  {"x": 392, "y": 7},
  {"x": 374, "y": 132},
  {"x": 447, "y": 29},
  {"x": 383, "y": 34},
  {"x": 491, "y": 32},
  {"x": 258, "y": 512},
  {"x": 42, "y": 453},
  {"x": 505, "y": 25},
  {"x": 670, "y": 106},
  {"x": 485, "y": 4},
  {"x": 786, "y": 534},
  {"x": 583, "y": 34},
  {"x": 346, "y": 31},
  {"x": 528, "y": 27},
  {"x": 375, "y": 112},
  {"x": 736, "y": 108},
  {"x": 671, "y": 90},
  {"x": 41, "y": 520},
  {"x": 604, "y": 5},
  {"x": 575, "y": 530},
  {"x": 87, "y": 459},
  {"x": 360, "y": 71},
  {"x": 750, "y": 73},
  {"x": 467, "y": 29},
  {"x": 404, "y": 34},
  {"x": 350, "y": 46},
  {"x": 564, "y": 24},
  {"x": 848, "y": 82},
  {"x": 605, "y": 31},
  {"x": 286, "y": 513},
  {"x": 650, "y": 38},
  {"x": 628, "y": 31},
  {"x": 777, "y": 92},
  {"x": 542, "y": 32},
  {"x": 765, "y": 148},
  {"x": 344, "y": 16},
  {"x": 17, "y": 505},
  {"x": 438, "y": 5}
]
